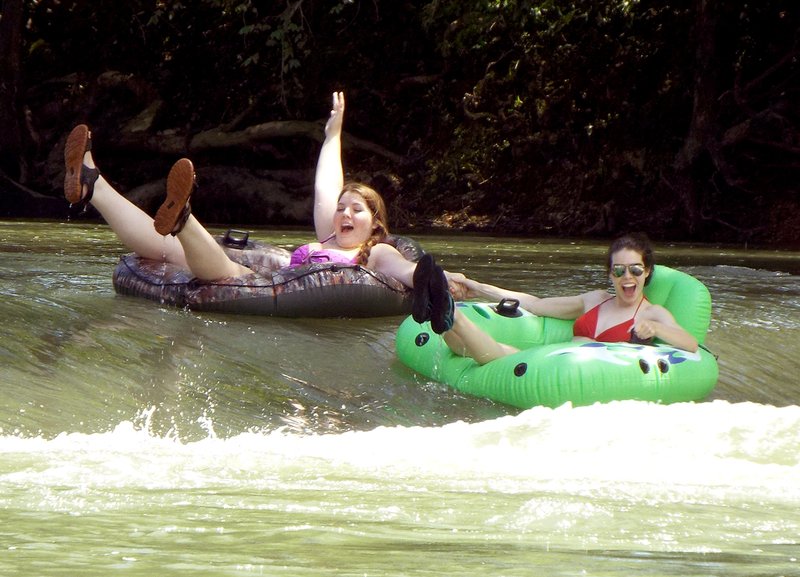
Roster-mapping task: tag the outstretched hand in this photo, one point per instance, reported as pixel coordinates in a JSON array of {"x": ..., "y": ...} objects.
[
  {"x": 333, "y": 127},
  {"x": 461, "y": 287},
  {"x": 457, "y": 284}
]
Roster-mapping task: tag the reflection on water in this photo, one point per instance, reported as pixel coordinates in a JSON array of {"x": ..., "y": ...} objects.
[{"x": 165, "y": 441}]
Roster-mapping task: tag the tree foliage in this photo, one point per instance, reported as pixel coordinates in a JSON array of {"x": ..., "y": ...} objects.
[{"x": 571, "y": 117}]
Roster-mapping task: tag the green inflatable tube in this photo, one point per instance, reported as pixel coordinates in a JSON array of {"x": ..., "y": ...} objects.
[{"x": 551, "y": 369}]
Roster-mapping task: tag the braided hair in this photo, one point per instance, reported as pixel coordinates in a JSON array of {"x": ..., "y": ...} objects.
[{"x": 380, "y": 218}]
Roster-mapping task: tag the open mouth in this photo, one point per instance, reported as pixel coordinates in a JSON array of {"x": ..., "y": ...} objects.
[
  {"x": 629, "y": 289},
  {"x": 346, "y": 227}
]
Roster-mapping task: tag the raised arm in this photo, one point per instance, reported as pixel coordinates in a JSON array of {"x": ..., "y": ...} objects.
[{"x": 329, "y": 179}]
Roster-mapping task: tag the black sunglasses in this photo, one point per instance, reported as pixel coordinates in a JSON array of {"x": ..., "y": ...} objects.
[{"x": 618, "y": 270}]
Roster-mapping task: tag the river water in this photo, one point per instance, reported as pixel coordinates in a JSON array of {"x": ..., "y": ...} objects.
[{"x": 153, "y": 441}]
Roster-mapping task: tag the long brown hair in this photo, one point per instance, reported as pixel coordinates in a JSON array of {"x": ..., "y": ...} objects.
[{"x": 380, "y": 217}]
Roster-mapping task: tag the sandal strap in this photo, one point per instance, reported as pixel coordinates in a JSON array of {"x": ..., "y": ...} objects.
[
  {"x": 88, "y": 177},
  {"x": 184, "y": 216}
]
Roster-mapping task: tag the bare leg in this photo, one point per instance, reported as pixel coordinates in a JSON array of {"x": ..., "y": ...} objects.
[
  {"x": 195, "y": 248},
  {"x": 204, "y": 255},
  {"x": 133, "y": 226},
  {"x": 467, "y": 340}
]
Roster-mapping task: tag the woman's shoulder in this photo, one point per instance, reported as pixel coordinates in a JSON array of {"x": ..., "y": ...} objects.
[
  {"x": 381, "y": 250},
  {"x": 593, "y": 298},
  {"x": 654, "y": 311},
  {"x": 383, "y": 247}
]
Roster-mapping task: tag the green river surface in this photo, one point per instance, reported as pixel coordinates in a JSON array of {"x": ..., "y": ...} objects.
[{"x": 142, "y": 440}]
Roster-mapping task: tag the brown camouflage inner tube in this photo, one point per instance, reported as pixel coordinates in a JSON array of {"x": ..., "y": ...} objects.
[{"x": 315, "y": 290}]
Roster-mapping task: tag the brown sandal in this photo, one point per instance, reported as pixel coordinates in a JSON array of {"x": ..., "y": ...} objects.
[
  {"x": 175, "y": 210},
  {"x": 78, "y": 174}
]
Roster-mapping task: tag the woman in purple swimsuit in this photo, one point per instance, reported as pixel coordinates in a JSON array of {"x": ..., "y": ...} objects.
[
  {"x": 350, "y": 220},
  {"x": 599, "y": 316}
]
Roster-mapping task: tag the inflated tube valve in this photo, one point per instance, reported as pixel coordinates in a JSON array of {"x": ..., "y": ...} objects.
[
  {"x": 508, "y": 308},
  {"x": 235, "y": 238}
]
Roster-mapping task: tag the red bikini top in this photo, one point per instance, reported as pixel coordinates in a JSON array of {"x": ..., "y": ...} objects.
[{"x": 586, "y": 325}]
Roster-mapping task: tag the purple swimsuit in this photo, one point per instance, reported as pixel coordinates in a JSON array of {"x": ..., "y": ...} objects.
[{"x": 304, "y": 255}]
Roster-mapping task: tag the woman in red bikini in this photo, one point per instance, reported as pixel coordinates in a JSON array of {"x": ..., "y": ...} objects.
[
  {"x": 350, "y": 219},
  {"x": 599, "y": 316}
]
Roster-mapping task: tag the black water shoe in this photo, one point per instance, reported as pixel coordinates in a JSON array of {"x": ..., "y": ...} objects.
[{"x": 421, "y": 303}]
